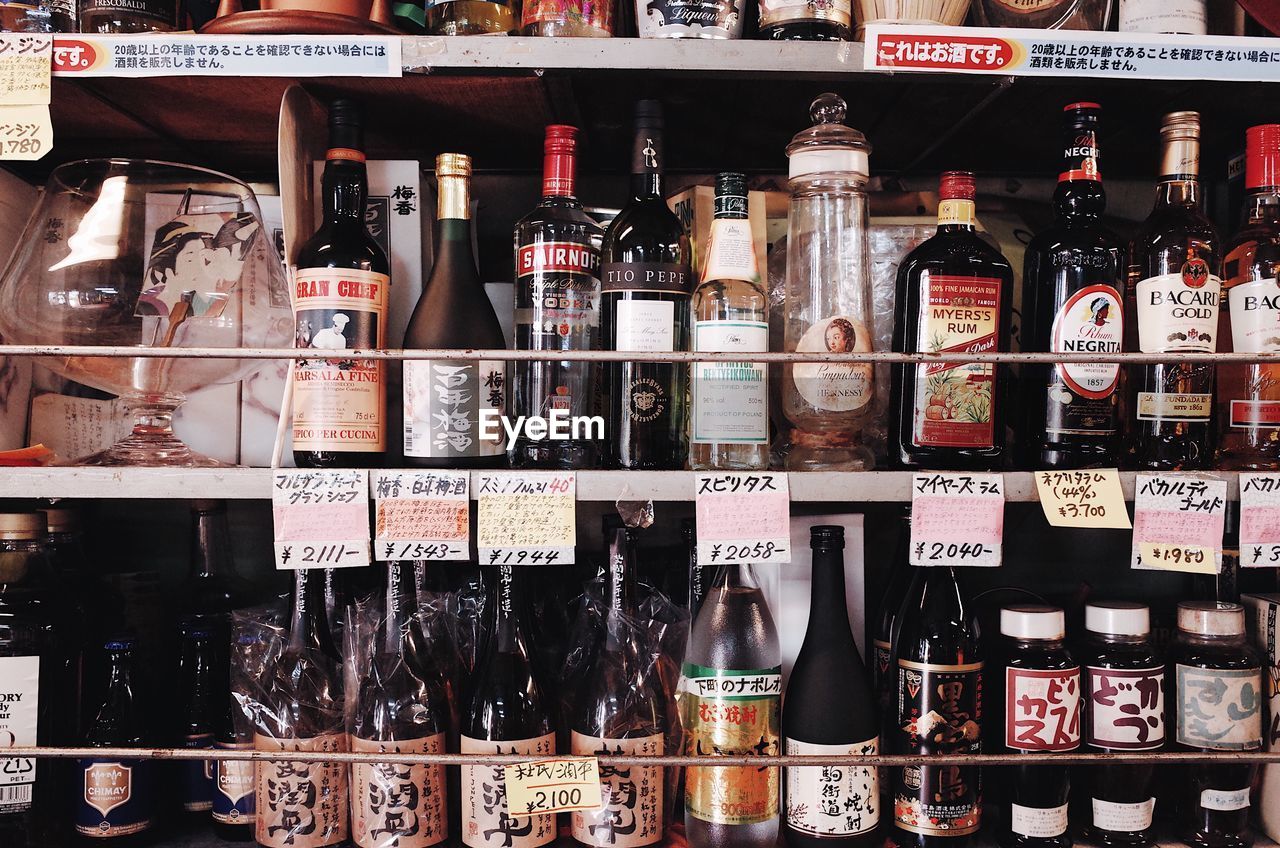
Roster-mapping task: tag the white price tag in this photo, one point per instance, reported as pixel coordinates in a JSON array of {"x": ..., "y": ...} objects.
[
  {"x": 526, "y": 517},
  {"x": 743, "y": 518},
  {"x": 1177, "y": 522},
  {"x": 421, "y": 515},
  {"x": 1259, "y": 520},
  {"x": 26, "y": 63},
  {"x": 957, "y": 519},
  {"x": 321, "y": 518}
]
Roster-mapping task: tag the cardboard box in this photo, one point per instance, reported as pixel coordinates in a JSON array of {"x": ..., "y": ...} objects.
[
  {"x": 695, "y": 207},
  {"x": 1263, "y": 614}
]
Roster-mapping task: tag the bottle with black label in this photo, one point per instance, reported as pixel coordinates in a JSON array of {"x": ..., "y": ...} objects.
[
  {"x": 233, "y": 801},
  {"x": 690, "y": 18},
  {"x": 120, "y": 17},
  {"x": 646, "y": 289},
  {"x": 883, "y": 675},
  {"x": 203, "y": 676}
]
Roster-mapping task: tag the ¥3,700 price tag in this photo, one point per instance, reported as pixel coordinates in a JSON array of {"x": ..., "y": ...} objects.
[
  {"x": 957, "y": 519},
  {"x": 321, "y": 518},
  {"x": 553, "y": 786},
  {"x": 526, "y": 517},
  {"x": 742, "y": 518},
  {"x": 1177, "y": 523},
  {"x": 421, "y": 515},
  {"x": 1090, "y": 498},
  {"x": 1260, "y": 520}
]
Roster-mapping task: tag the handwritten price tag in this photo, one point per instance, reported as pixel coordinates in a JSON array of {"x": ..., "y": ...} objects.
[
  {"x": 554, "y": 786},
  {"x": 1083, "y": 498},
  {"x": 421, "y": 515},
  {"x": 743, "y": 518},
  {"x": 526, "y": 518},
  {"x": 321, "y": 518},
  {"x": 26, "y": 66},
  {"x": 1259, "y": 520},
  {"x": 1177, "y": 518},
  {"x": 26, "y": 132},
  {"x": 957, "y": 519}
]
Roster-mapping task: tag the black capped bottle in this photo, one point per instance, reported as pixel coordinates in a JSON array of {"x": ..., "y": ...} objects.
[
  {"x": 340, "y": 303},
  {"x": 203, "y": 678},
  {"x": 883, "y": 673},
  {"x": 831, "y": 711},
  {"x": 213, "y": 588}
]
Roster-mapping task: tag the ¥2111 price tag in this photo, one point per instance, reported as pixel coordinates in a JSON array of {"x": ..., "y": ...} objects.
[
  {"x": 957, "y": 519},
  {"x": 743, "y": 518},
  {"x": 1091, "y": 498},
  {"x": 421, "y": 515},
  {"x": 1177, "y": 523},
  {"x": 526, "y": 517},
  {"x": 1259, "y": 520},
  {"x": 321, "y": 518},
  {"x": 553, "y": 786}
]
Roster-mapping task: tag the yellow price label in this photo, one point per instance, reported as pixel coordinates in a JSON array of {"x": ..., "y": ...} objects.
[
  {"x": 1091, "y": 498},
  {"x": 554, "y": 786},
  {"x": 26, "y": 132},
  {"x": 1194, "y": 559}
]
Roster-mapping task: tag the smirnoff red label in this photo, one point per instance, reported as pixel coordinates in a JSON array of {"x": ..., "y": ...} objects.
[{"x": 558, "y": 257}]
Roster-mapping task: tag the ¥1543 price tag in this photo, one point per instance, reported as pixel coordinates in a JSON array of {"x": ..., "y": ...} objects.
[
  {"x": 321, "y": 518},
  {"x": 1091, "y": 498},
  {"x": 526, "y": 517},
  {"x": 743, "y": 518},
  {"x": 957, "y": 519},
  {"x": 1177, "y": 523},
  {"x": 553, "y": 786},
  {"x": 421, "y": 515},
  {"x": 1259, "y": 520}
]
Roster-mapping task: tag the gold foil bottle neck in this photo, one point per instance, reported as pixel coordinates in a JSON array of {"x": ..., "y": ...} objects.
[
  {"x": 1180, "y": 144},
  {"x": 453, "y": 165},
  {"x": 453, "y": 172}
]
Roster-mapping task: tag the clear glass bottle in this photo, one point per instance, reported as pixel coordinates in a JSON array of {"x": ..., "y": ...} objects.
[
  {"x": 472, "y": 17},
  {"x": 690, "y": 18},
  {"x": 568, "y": 18},
  {"x": 828, "y": 296}
]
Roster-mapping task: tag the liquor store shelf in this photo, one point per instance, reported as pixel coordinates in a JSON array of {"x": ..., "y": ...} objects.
[{"x": 605, "y": 486}]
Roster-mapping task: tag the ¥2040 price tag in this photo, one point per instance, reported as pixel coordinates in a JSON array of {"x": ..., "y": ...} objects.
[
  {"x": 743, "y": 518},
  {"x": 553, "y": 786},
  {"x": 421, "y": 515},
  {"x": 321, "y": 518},
  {"x": 1259, "y": 520},
  {"x": 1091, "y": 498},
  {"x": 526, "y": 517},
  {"x": 1177, "y": 523},
  {"x": 957, "y": 519}
]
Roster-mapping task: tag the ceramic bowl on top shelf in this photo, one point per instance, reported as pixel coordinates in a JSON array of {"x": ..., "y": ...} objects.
[
  {"x": 141, "y": 254},
  {"x": 916, "y": 12}
]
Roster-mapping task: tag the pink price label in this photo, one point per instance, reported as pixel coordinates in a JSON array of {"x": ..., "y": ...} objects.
[
  {"x": 743, "y": 518},
  {"x": 321, "y": 522},
  {"x": 950, "y": 530}
]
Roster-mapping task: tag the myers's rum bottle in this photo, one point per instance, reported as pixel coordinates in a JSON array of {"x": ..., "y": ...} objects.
[
  {"x": 340, "y": 303},
  {"x": 1172, "y": 307},
  {"x": 1249, "y": 321}
]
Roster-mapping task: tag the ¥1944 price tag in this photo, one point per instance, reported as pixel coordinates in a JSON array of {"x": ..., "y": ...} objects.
[
  {"x": 1178, "y": 522},
  {"x": 321, "y": 518},
  {"x": 526, "y": 517},
  {"x": 1091, "y": 498},
  {"x": 1259, "y": 520},
  {"x": 743, "y": 518},
  {"x": 421, "y": 515},
  {"x": 957, "y": 519},
  {"x": 553, "y": 786}
]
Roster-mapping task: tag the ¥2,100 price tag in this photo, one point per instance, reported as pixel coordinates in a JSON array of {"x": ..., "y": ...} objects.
[
  {"x": 1083, "y": 498},
  {"x": 526, "y": 517},
  {"x": 1177, "y": 523},
  {"x": 957, "y": 519},
  {"x": 1259, "y": 520},
  {"x": 553, "y": 786},
  {"x": 421, "y": 515},
  {"x": 743, "y": 518},
  {"x": 321, "y": 518}
]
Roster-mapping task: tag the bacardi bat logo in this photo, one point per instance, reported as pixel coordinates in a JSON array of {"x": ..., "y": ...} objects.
[{"x": 1195, "y": 273}]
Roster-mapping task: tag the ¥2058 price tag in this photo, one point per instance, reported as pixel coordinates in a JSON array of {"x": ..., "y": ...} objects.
[
  {"x": 421, "y": 515},
  {"x": 743, "y": 518},
  {"x": 553, "y": 786},
  {"x": 1259, "y": 520},
  {"x": 957, "y": 519},
  {"x": 1091, "y": 498},
  {"x": 526, "y": 517},
  {"x": 1177, "y": 523},
  {"x": 321, "y": 518}
]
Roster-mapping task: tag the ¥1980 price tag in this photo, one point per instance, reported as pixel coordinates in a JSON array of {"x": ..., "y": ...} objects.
[
  {"x": 1178, "y": 522},
  {"x": 526, "y": 517},
  {"x": 1260, "y": 520},
  {"x": 421, "y": 515},
  {"x": 1194, "y": 558},
  {"x": 553, "y": 786},
  {"x": 321, "y": 518},
  {"x": 957, "y": 519},
  {"x": 743, "y": 518}
]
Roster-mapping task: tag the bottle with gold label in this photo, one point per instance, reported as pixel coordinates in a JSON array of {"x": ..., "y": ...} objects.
[{"x": 340, "y": 303}]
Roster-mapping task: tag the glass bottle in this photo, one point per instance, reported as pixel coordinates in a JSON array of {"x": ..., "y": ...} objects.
[
  {"x": 233, "y": 809},
  {"x": 1214, "y": 680},
  {"x": 800, "y": 20},
  {"x": 729, "y": 418},
  {"x": 700, "y": 579},
  {"x": 122, "y": 17},
  {"x": 1124, "y": 711},
  {"x": 690, "y": 18},
  {"x": 734, "y": 637},
  {"x": 1183, "y": 17},
  {"x": 213, "y": 588},
  {"x": 1172, "y": 307},
  {"x": 573, "y": 18},
  {"x": 39, "y": 16},
  {"x": 1044, "y": 14},
  {"x": 203, "y": 675},
  {"x": 472, "y": 17},
  {"x": 1249, "y": 319},
  {"x": 828, "y": 294},
  {"x": 883, "y": 674},
  {"x": 557, "y": 308}
]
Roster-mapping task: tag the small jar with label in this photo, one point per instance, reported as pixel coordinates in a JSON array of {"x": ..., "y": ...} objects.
[
  {"x": 1124, "y": 712},
  {"x": 1214, "y": 681}
]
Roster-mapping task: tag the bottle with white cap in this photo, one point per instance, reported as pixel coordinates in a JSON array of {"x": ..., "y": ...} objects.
[
  {"x": 1124, "y": 711},
  {"x": 1039, "y": 700},
  {"x": 1215, "y": 685}
]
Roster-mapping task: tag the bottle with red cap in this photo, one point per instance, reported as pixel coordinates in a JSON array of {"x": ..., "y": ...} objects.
[
  {"x": 557, "y": 250},
  {"x": 1249, "y": 321},
  {"x": 954, "y": 296}
]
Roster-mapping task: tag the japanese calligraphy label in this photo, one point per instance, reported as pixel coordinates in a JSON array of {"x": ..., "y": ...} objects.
[
  {"x": 394, "y": 805},
  {"x": 1090, "y": 498},
  {"x": 1259, "y": 520},
  {"x": 629, "y": 812},
  {"x": 19, "y": 704},
  {"x": 743, "y": 518},
  {"x": 1177, "y": 523},
  {"x": 526, "y": 518},
  {"x": 956, "y": 519},
  {"x": 321, "y": 518},
  {"x": 1219, "y": 709},
  {"x": 828, "y": 801},
  {"x": 421, "y": 515},
  {"x": 554, "y": 786},
  {"x": 26, "y": 59},
  {"x": 26, "y": 132},
  {"x": 1126, "y": 708},
  {"x": 301, "y": 805},
  {"x": 487, "y": 819},
  {"x": 1042, "y": 709},
  {"x": 452, "y": 409}
]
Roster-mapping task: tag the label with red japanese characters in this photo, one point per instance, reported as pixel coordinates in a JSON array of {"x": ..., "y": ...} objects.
[
  {"x": 1219, "y": 709},
  {"x": 956, "y": 519},
  {"x": 421, "y": 515},
  {"x": 1178, "y": 522},
  {"x": 301, "y": 805},
  {"x": 394, "y": 805},
  {"x": 1042, "y": 709},
  {"x": 828, "y": 801},
  {"x": 630, "y": 810},
  {"x": 1125, "y": 708},
  {"x": 1259, "y": 520},
  {"x": 486, "y": 820}
]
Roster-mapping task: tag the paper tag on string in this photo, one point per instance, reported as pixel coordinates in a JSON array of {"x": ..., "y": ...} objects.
[
  {"x": 1259, "y": 520},
  {"x": 957, "y": 519},
  {"x": 421, "y": 515},
  {"x": 1092, "y": 498},
  {"x": 743, "y": 518},
  {"x": 553, "y": 786},
  {"x": 1182, "y": 516},
  {"x": 321, "y": 518},
  {"x": 26, "y": 132},
  {"x": 26, "y": 68},
  {"x": 526, "y": 517}
]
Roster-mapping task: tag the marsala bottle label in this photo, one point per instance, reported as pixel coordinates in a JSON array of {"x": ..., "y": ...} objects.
[
  {"x": 301, "y": 805},
  {"x": 777, "y": 11},
  {"x": 631, "y": 797},
  {"x": 1254, "y": 309},
  {"x": 487, "y": 822},
  {"x": 1042, "y": 709},
  {"x": 830, "y": 801},
  {"x": 233, "y": 787},
  {"x": 1081, "y": 395},
  {"x": 19, "y": 707},
  {"x": 831, "y": 386},
  {"x": 394, "y": 805},
  {"x": 1219, "y": 709},
  {"x": 1126, "y": 708},
  {"x": 443, "y": 405},
  {"x": 115, "y": 798},
  {"x": 339, "y": 404}
]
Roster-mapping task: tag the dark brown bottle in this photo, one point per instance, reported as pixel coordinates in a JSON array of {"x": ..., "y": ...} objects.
[{"x": 203, "y": 677}]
